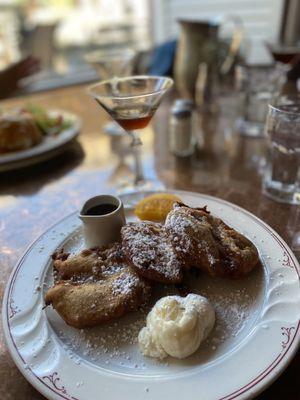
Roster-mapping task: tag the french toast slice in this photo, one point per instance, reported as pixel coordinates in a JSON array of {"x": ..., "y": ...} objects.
[
  {"x": 149, "y": 250},
  {"x": 206, "y": 242},
  {"x": 104, "y": 289}
]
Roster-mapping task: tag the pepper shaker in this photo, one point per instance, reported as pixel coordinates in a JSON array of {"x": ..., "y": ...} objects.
[{"x": 181, "y": 138}]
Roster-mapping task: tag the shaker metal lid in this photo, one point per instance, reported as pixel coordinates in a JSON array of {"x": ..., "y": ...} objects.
[{"x": 182, "y": 107}]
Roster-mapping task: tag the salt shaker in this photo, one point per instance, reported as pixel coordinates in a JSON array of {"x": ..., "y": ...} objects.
[{"x": 181, "y": 128}]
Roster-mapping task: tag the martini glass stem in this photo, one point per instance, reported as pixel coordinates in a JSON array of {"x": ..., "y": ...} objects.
[{"x": 136, "y": 144}]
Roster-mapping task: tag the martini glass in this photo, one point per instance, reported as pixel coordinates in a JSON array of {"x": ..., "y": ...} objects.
[
  {"x": 112, "y": 63},
  {"x": 132, "y": 102}
]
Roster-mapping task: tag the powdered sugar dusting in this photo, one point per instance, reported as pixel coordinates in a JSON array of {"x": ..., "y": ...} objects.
[
  {"x": 111, "y": 345},
  {"x": 192, "y": 236},
  {"x": 148, "y": 247},
  {"x": 125, "y": 284}
]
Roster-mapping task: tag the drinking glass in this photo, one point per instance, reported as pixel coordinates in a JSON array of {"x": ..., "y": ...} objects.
[
  {"x": 112, "y": 63},
  {"x": 283, "y": 53},
  {"x": 282, "y": 175},
  {"x": 132, "y": 102},
  {"x": 257, "y": 87}
]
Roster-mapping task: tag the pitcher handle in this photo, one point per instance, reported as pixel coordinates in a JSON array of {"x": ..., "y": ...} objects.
[{"x": 237, "y": 36}]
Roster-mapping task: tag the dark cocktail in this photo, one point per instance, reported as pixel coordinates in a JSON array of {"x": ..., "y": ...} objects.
[{"x": 132, "y": 102}]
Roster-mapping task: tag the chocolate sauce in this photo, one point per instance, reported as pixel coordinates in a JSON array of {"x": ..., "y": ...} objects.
[{"x": 101, "y": 209}]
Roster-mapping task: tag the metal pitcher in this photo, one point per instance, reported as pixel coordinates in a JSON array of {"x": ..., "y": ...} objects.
[{"x": 199, "y": 43}]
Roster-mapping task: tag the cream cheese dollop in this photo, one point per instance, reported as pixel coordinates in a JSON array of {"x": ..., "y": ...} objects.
[{"x": 176, "y": 326}]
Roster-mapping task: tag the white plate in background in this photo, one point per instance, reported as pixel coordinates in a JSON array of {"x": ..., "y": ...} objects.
[{"x": 50, "y": 146}]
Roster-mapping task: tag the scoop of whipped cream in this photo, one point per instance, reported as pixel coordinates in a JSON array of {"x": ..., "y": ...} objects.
[{"x": 176, "y": 326}]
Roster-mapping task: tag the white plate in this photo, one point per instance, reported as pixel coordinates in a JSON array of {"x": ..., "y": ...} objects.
[
  {"x": 49, "y": 147},
  {"x": 255, "y": 337}
]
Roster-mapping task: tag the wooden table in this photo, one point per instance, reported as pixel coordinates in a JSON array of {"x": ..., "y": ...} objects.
[{"x": 226, "y": 165}]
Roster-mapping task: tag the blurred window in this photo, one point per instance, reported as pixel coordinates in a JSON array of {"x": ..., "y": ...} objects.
[{"x": 60, "y": 32}]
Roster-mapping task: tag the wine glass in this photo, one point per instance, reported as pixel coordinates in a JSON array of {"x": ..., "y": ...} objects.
[{"x": 132, "y": 102}]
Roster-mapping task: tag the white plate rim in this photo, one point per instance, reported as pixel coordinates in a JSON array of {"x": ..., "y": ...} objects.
[
  {"x": 14, "y": 160},
  {"x": 253, "y": 388}
]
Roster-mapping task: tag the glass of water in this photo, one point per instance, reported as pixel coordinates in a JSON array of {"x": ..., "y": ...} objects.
[
  {"x": 282, "y": 175},
  {"x": 256, "y": 87}
]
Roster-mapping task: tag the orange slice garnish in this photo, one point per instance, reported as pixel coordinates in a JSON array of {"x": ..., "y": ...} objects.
[{"x": 155, "y": 207}]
